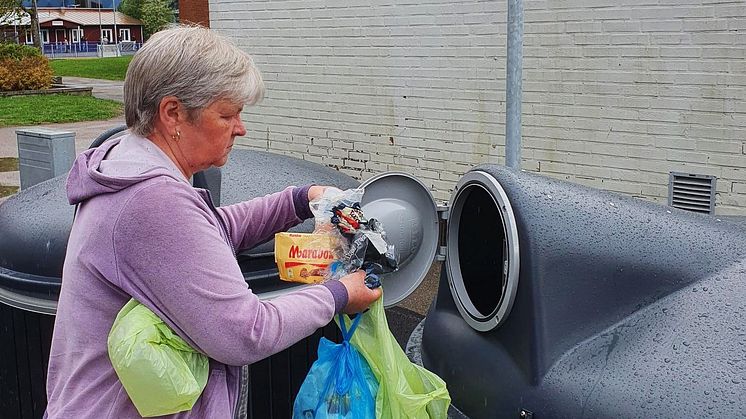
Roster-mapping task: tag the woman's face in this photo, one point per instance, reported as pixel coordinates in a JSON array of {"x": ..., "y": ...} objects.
[{"x": 208, "y": 139}]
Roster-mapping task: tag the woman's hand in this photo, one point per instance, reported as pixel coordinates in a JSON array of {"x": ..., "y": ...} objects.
[
  {"x": 315, "y": 192},
  {"x": 359, "y": 296}
]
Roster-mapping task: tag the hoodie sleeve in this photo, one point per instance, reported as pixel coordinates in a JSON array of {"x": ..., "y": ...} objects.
[
  {"x": 255, "y": 221},
  {"x": 171, "y": 257}
]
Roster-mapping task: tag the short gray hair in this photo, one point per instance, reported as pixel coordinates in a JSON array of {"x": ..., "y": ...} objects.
[{"x": 192, "y": 63}]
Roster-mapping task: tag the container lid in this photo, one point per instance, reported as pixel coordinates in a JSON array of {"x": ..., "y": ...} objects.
[
  {"x": 34, "y": 227},
  {"x": 409, "y": 216}
]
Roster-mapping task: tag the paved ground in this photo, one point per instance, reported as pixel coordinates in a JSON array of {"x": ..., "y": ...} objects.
[{"x": 102, "y": 89}]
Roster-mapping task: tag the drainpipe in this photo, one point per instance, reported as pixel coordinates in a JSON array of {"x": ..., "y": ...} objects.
[{"x": 513, "y": 85}]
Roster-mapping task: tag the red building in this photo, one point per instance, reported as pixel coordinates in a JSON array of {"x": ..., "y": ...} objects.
[{"x": 74, "y": 26}]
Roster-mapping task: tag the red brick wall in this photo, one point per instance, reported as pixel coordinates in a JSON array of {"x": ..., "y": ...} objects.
[{"x": 194, "y": 11}]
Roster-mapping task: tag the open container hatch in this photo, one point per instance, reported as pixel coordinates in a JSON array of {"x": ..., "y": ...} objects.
[
  {"x": 482, "y": 254},
  {"x": 410, "y": 218}
]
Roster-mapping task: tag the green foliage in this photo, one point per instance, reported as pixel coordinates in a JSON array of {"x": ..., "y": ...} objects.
[
  {"x": 7, "y": 190},
  {"x": 8, "y": 164},
  {"x": 132, "y": 8},
  {"x": 27, "y": 73},
  {"x": 11, "y": 7},
  {"x": 109, "y": 68},
  {"x": 17, "y": 52},
  {"x": 41, "y": 109},
  {"x": 156, "y": 15}
]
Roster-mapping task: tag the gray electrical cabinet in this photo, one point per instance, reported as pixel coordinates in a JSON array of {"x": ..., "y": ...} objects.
[{"x": 43, "y": 154}]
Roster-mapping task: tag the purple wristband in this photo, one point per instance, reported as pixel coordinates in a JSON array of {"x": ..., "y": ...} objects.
[
  {"x": 339, "y": 292},
  {"x": 300, "y": 202}
]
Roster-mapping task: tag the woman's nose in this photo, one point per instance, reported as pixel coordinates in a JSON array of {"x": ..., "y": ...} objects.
[{"x": 239, "y": 129}]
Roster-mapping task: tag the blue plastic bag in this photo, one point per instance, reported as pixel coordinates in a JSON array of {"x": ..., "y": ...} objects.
[{"x": 340, "y": 383}]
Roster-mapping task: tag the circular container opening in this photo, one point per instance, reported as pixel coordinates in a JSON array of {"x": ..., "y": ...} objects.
[{"x": 483, "y": 253}]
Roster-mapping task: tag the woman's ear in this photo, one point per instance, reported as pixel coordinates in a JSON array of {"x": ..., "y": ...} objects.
[{"x": 171, "y": 112}]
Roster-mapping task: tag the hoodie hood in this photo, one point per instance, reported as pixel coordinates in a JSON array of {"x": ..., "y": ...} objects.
[{"x": 116, "y": 165}]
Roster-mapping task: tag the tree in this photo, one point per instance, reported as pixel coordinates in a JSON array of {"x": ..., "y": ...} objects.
[
  {"x": 156, "y": 15},
  {"x": 17, "y": 8},
  {"x": 131, "y": 8}
]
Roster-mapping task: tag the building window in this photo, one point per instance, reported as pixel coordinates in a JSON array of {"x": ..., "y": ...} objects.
[
  {"x": 45, "y": 36},
  {"x": 29, "y": 37},
  {"x": 124, "y": 35},
  {"x": 75, "y": 35},
  {"x": 106, "y": 36}
]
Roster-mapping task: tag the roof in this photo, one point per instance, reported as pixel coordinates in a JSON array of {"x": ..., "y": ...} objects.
[{"x": 82, "y": 17}]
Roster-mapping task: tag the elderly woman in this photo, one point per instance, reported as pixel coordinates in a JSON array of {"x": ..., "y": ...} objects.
[{"x": 141, "y": 230}]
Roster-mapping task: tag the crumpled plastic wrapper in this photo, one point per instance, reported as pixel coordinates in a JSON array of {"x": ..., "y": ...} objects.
[{"x": 361, "y": 241}]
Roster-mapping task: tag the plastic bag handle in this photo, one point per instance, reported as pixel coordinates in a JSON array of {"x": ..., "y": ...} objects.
[{"x": 347, "y": 334}]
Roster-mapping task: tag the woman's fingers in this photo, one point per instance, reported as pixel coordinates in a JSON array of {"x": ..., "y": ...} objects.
[{"x": 359, "y": 295}]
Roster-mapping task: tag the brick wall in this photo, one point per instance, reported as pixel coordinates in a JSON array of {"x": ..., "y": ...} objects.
[
  {"x": 194, "y": 11},
  {"x": 617, "y": 93}
]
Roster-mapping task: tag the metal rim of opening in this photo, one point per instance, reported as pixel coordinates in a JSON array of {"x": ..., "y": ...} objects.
[{"x": 511, "y": 256}]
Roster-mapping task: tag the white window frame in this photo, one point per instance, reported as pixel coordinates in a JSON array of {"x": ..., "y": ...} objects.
[
  {"x": 75, "y": 36},
  {"x": 124, "y": 35},
  {"x": 108, "y": 34},
  {"x": 29, "y": 37},
  {"x": 45, "y": 36}
]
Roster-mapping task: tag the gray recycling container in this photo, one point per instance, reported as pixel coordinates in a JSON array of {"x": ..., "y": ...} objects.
[{"x": 559, "y": 301}]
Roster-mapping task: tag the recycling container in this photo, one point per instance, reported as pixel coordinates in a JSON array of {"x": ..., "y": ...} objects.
[{"x": 558, "y": 300}]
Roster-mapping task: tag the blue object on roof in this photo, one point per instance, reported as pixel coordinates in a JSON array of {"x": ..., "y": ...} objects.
[{"x": 104, "y": 4}]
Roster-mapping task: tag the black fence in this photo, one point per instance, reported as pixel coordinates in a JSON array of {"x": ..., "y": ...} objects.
[{"x": 25, "y": 339}]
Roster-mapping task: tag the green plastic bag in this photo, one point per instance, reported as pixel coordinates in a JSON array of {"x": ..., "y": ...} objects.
[
  {"x": 406, "y": 390},
  {"x": 161, "y": 373}
]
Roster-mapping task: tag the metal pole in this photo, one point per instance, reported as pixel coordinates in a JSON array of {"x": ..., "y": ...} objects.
[
  {"x": 100, "y": 27},
  {"x": 114, "y": 11},
  {"x": 513, "y": 85}
]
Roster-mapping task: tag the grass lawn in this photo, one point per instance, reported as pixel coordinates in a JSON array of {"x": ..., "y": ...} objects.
[
  {"x": 110, "y": 68},
  {"x": 8, "y": 164},
  {"x": 7, "y": 190},
  {"x": 40, "y": 109}
]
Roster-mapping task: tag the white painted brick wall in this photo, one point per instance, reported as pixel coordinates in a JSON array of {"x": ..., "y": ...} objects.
[{"x": 617, "y": 93}]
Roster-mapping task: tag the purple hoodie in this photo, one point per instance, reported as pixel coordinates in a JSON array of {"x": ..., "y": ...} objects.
[{"x": 143, "y": 231}]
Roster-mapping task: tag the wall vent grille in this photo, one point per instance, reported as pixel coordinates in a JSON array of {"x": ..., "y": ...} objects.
[{"x": 692, "y": 192}]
